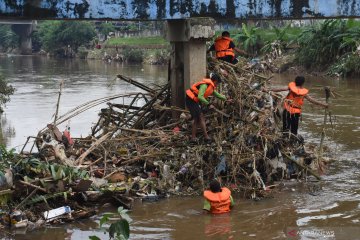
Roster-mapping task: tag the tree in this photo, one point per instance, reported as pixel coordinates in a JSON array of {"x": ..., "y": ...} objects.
[
  {"x": 58, "y": 36},
  {"x": 8, "y": 39},
  {"x": 5, "y": 91},
  {"x": 249, "y": 39},
  {"x": 105, "y": 28}
]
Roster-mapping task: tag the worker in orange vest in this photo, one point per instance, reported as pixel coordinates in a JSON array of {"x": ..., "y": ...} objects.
[
  {"x": 198, "y": 93},
  {"x": 224, "y": 48},
  {"x": 218, "y": 199},
  {"x": 293, "y": 104}
]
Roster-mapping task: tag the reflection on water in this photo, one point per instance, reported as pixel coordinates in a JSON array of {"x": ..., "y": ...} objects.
[
  {"x": 6, "y": 130},
  {"x": 336, "y": 207}
]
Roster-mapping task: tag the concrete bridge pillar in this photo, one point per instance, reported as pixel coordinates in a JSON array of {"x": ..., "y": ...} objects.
[
  {"x": 24, "y": 32},
  {"x": 188, "y": 57}
]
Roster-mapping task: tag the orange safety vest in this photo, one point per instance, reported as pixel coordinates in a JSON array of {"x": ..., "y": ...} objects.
[
  {"x": 193, "y": 92},
  {"x": 222, "y": 47},
  {"x": 220, "y": 202},
  {"x": 295, "y": 99}
]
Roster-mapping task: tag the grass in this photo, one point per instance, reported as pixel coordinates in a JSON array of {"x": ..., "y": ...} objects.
[{"x": 137, "y": 41}]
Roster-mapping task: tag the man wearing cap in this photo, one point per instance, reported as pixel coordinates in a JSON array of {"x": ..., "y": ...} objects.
[{"x": 198, "y": 94}]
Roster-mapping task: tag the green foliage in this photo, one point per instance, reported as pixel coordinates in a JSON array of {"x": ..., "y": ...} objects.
[
  {"x": 58, "y": 35},
  {"x": 249, "y": 39},
  {"x": 348, "y": 65},
  {"x": 33, "y": 167},
  {"x": 8, "y": 39},
  {"x": 134, "y": 55},
  {"x": 6, "y": 155},
  {"x": 7, "y": 159},
  {"x": 137, "y": 41},
  {"x": 6, "y": 91},
  {"x": 36, "y": 41},
  {"x": 119, "y": 229},
  {"x": 82, "y": 52},
  {"x": 281, "y": 40},
  {"x": 157, "y": 56},
  {"x": 324, "y": 43},
  {"x": 105, "y": 28},
  {"x": 94, "y": 238}
]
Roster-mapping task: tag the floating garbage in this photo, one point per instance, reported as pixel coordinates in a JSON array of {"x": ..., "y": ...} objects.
[
  {"x": 54, "y": 213},
  {"x": 141, "y": 151}
]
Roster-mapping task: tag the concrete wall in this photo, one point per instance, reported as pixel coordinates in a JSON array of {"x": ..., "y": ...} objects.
[{"x": 195, "y": 58}]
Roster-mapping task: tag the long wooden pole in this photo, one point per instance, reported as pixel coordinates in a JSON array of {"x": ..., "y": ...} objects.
[
  {"x": 58, "y": 102},
  {"x": 327, "y": 96}
]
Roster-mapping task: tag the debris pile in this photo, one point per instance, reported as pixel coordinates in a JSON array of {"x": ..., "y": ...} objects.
[{"x": 137, "y": 150}]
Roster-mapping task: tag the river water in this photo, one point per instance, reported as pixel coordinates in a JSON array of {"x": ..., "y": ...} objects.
[{"x": 330, "y": 212}]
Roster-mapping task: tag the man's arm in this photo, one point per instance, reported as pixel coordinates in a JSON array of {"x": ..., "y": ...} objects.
[
  {"x": 207, "y": 205},
  {"x": 219, "y": 96},
  {"x": 238, "y": 50},
  {"x": 278, "y": 89},
  {"x": 314, "y": 101},
  {"x": 242, "y": 52},
  {"x": 212, "y": 48}
]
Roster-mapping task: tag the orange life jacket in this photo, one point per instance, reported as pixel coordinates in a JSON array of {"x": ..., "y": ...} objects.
[
  {"x": 193, "y": 92},
  {"x": 220, "y": 202},
  {"x": 222, "y": 47},
  {"x": 295, "y": 99}
]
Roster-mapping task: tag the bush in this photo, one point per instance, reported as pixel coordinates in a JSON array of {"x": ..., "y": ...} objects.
[
  {"x": 6, "y": 91},
  {"x": 57, "y": 35},
  {"x": 8, "y": 39},
  {"x": 325, "y": 43},
  {"x": 134, "y": 55},
  {"x": 157, "y": 57},
  {"x": 348, "y": 65},
  {"x": 82, "y": 52}
]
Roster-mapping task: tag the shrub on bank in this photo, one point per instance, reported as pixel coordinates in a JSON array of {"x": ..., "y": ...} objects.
[
  {"x": 6, "y": 91},
  {"x": 157, "y": 56},
  {"x": 82, "y": 52},
  {"x": 133, "y": 55},
  {"x": 347, "y": 66},
  {"x": 323, "y": 44}
]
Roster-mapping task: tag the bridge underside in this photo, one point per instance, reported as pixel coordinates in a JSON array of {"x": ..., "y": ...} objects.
[{"x": 178, "y": 9}]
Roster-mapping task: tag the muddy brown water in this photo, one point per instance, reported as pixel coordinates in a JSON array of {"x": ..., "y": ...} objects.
[{"x": 331, "y": 211}]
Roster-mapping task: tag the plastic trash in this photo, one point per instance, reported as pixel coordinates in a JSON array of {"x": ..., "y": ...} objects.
[
  {"x": 221, "y": 167},
  {"x": 48, "y": 215}
]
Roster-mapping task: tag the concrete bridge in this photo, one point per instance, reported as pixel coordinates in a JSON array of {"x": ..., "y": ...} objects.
[{"x": 190, "y": 22}]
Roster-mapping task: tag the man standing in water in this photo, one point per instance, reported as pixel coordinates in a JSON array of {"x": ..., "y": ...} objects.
[
  {"x": 293, "y": 104},
  {"x": 218, "y": 199}
]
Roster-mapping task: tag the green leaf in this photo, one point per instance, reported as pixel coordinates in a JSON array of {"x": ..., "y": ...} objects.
[
  {"x": 245, "y": 30},
  {"x": 119, "y": 228},
  {"x": 94, "y": 238},
  {"x": 105, "y": 218}
]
